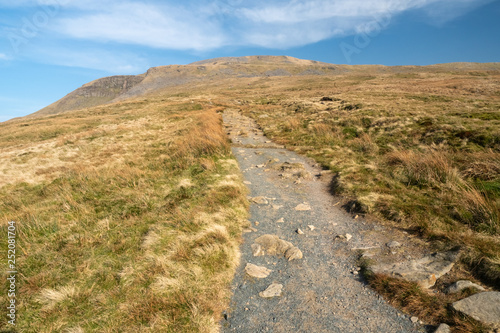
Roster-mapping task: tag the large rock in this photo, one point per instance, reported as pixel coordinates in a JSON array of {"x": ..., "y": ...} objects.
[
  {"x": 424, "y": 271},
  {"x": 484, "y": 307},
  {"x": 274, "y": 246}
]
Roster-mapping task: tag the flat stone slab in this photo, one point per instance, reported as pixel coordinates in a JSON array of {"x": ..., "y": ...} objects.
[
  {"x": 424, "y": 271},
  {"x": 258, "y": 272},
  {"x": 273, "y": 290},
  {"x": 483, "y": 307}
]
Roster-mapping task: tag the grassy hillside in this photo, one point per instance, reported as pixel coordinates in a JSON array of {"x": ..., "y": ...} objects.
[
  {"x": 222, "y": 70},
  {"x": 98, "y": 92},
  {"x": 419, "y": 150},
  {"x": 129, "y": 218},
  {"x": 129, "y": 214}
]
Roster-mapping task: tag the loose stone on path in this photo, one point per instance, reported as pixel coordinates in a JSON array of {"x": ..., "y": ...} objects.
[
  {"x": 273, "y": 245},
  {"x": 260, "y": 200},
  {"x": 273, "y": 290},
  {"x": 258, "y": 272},
  {"x": 303, "y": 207}
]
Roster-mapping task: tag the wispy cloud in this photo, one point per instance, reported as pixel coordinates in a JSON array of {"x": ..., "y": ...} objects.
[
  {"x": 441, "y": 12},
  {"x": 196, "y": 25},
  {"x": 152, "y": 25},
  {"x": 298, "y": 23},
  {"x": 4, "y": 56}
]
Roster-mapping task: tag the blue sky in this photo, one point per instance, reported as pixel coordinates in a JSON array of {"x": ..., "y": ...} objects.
[{"x": 48, "y": 48}]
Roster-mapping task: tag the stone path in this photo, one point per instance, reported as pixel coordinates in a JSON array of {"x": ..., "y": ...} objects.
[{"x": 282, "y": 290}]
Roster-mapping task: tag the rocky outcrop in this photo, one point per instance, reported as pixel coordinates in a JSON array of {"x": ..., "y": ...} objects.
[{"x": 92, "y": 94}]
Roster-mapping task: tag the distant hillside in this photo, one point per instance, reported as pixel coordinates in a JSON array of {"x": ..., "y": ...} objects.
[
  {"x": 119, "y": 88},
  {"x": 95, "y": 93}
]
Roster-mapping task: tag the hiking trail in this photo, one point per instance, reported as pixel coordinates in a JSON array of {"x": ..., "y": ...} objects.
[{"x": 298, "y": 268}]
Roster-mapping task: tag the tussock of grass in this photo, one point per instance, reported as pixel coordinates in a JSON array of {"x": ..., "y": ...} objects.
[{"x": 139, "y": 233}]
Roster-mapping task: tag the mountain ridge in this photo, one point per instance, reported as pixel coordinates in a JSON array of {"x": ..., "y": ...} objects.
[{"x": 121, "y": 87}]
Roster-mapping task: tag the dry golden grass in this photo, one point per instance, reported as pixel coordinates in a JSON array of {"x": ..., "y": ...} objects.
[
  {"x": 138, "y": 207},
  {"x": 129, "y": 218}
]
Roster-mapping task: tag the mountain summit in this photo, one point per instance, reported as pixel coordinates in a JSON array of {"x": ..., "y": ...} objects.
[{"x": 116, "y": 88}]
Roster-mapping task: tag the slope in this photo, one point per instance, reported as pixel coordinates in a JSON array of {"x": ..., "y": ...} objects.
[
  {"x": 120, "y": 88},
  {"x": 128, "y": 218}
]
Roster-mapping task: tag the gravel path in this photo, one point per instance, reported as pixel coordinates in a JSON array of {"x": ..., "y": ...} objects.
[{"x": 321, "y": 292}]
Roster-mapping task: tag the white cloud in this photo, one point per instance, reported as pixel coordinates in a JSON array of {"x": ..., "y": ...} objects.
[
  {"x": 441, "y": 12},
  {"x": 197, "y": 25},
  {"x": 200, "y": 25},
  {"x": 150, "y": 25},
  {"x": 301, "y": 22}
]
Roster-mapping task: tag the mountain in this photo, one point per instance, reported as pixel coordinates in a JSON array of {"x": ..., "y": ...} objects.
[
  {"x": 119, "y": 88},
  {"x": 95, "y": 93}
]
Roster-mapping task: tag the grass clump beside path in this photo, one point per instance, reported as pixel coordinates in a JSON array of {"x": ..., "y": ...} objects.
[
  {"x": 128, "y": 217},
  {"x": 434, "y": 308}
]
